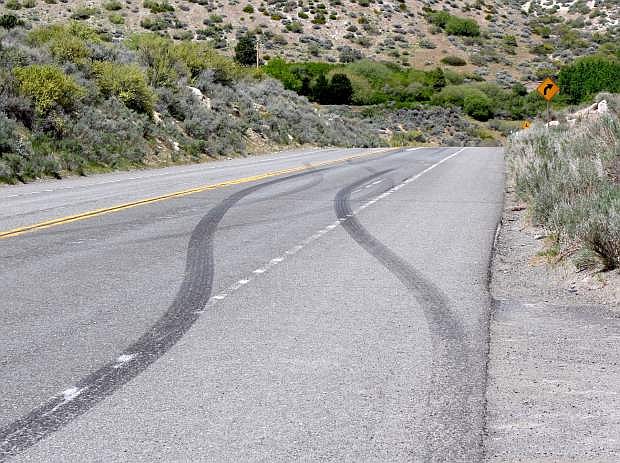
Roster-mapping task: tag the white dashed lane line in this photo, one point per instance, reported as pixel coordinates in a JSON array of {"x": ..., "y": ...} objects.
[
  {"x": 70, "y": 394},
  {"x": 319, "y": 233}
]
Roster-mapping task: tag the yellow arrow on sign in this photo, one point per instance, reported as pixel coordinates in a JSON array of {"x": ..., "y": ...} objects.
[{"x": 548, "y": 89}]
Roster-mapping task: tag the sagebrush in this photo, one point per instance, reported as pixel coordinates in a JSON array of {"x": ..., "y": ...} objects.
[{"x": 569, "y": 176}]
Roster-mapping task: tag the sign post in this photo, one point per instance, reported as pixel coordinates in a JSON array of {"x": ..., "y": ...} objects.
[{"x": 548, "y": 90}]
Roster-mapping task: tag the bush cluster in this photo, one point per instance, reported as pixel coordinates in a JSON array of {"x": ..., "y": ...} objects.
[
  {"x": 386, "y": 83},
  {"x": 73, "y": 101},
  {"x": 569, "y": 177},
  {"x": 589, "y": 75},
  {"x": 453, "y": 25}
]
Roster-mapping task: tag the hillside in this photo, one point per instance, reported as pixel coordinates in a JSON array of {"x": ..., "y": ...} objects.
[{"x": 515, "y": 40}]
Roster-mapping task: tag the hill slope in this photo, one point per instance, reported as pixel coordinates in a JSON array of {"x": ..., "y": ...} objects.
[{"x": 518, "y": 40}]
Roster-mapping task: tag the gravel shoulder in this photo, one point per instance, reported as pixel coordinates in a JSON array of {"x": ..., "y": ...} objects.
[{"x": 553, "y": 390}]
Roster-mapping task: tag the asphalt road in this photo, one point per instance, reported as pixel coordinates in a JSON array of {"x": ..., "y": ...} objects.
[{"x": 317, "y": 306}]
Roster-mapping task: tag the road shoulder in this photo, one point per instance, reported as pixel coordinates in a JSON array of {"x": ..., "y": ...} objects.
[{"x": 554, "y": 380}]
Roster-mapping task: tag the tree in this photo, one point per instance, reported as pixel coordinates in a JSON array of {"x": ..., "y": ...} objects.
[
  {"x": 245, "y": 51},
  {"x": 340, "y": 89},
  {"x": 320, "y": 89},
  {"x": 588, "y": 76},
  {"x": 305, "y": 89}
]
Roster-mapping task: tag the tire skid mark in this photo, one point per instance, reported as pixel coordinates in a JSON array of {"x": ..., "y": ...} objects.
[
  {"x": 188, "y": 305},
  {"x": 192, "y": 296},
  {"x": 450, "y": 415}
]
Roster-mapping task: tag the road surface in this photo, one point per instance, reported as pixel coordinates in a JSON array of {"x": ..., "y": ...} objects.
[{"x": 327, "y": 305}]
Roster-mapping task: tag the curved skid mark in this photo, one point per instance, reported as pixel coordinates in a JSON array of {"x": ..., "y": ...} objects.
[
  {"x": 189, "y": 303},
  {"x": 192, "y": 296},
  {"x": 450, "y": 415}
]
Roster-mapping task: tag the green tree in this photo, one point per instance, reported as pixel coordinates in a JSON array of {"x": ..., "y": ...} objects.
[
  {"x": 320, "y": 89},
  {"x": 245, "y": 51},
  {"x": 340, "y": 89},
  {"x": 305, "y": 89}
]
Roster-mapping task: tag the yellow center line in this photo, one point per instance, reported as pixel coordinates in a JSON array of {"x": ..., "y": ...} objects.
[{"x": 177, "y": 194}]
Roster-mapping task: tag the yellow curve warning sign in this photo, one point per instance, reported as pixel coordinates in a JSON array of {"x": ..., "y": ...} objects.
[{"x": 548, "y": 89}]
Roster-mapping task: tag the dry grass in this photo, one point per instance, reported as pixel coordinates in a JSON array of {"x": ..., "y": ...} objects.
[{"x": 568, "y": 177}]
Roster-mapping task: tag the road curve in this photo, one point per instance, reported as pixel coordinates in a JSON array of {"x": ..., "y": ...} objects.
[{"x": 335, "y": 309}]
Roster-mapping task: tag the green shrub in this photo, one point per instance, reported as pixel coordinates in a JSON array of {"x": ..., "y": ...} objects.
[
  {"x": 155, "y": 23},
  {"x": 453, "y": 25},
  {"x": 543, "y": 49},
  {"x": 408, "y": 138},
  {"x": 198, "y": 57},
  {"x": 588, "y": 76},
  {"x": 464, "y": 27},
  {"x": 567, "y": 177},
  {"x": 68, "y": 42},
  {"x": 18, "y": 160},
  {"x": 452, "y": 60},
  {"x": 12, "y": 5},
  {"x": 167, "y": 60},
  {"x": 319, "y": 18},
  {"x": 48, "y": 86},
  {"x": 127, "y": 82},
  {"x": 478, "y": 106},
  {"x": 69, "y": 49},
  {"x": 113, "y": 5},
  {"x": 295, "y": 27},
  {"x": 158, "y": 7},
  {"x": 439, "y": 18},
  {"x": 52, "y": 32},
  {"x": 248, "y": 9},
  {"x": 9, "y": 21},
  {"x": 116, "y": 18}
]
